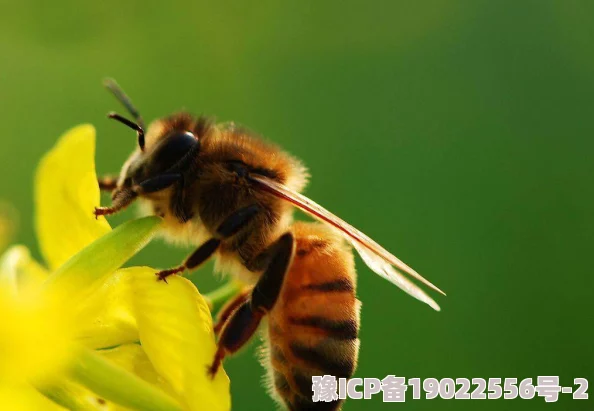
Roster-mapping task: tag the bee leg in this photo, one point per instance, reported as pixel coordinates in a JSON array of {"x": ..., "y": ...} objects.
[
  {"x": 236, "y": 221},
  {"x": 244, "y": 321},
  {"x": 120, "y": 200},
  {"x": 107, "y": 183},
  {"x": 232, "y": 224},
  {"x": 228, "y": 309},
  {"x": 238, "y": 330},
  {"x": 203, "y": 253},
  {"x": 268, "y": 287}
]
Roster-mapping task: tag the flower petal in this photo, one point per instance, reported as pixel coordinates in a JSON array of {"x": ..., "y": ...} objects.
[
  {"x": 19, "y": 272},
  {"x": 132, "y": 357},
  {"x": 35, "y": 337},
  {"x": 176, "y": 333},
  {"x": 76, "y": 278},
  {"x": 66, "y": 193},
  {"x": 35, "y": 332},
  {"x": 105, "y": 319},
  {"x": 25, "y": 398}
]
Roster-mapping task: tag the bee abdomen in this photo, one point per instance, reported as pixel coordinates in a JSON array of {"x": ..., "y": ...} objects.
[
  {"x": 338, "y": 329},
  {"x": 314, "y": 326},
  {"x": 339, "y": 285},
  {"x": 299, "y": 361},
  {"x": 294, "y": 400},
  {"x": 327, "y": 357}
]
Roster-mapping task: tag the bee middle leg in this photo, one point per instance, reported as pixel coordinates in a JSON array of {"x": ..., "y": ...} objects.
[
  {"x": 244, "y": 321},
  {"x": 232, "y": 224}
]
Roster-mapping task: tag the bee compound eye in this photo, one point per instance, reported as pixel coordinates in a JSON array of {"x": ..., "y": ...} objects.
[{"x": 174, "y": 148}]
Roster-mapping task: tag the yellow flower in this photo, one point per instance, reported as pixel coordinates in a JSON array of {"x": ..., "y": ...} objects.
[{"x": 85, "y": 334}]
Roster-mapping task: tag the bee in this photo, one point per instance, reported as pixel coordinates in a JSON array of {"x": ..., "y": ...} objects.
[{"x": 232, "y": 195}]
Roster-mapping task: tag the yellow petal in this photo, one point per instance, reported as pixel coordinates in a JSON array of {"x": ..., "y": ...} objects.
[
  {"x": 66, "y": 193},
  {"x": 105, "y": 319},
  {"x": 35, "y": 337},
  {"x": 132, "y": 357},
  {"x": 176, "y": 333},
  {"x": 25, "y": 398},
  {"x": 34, "y": 332},
  {"x": 19, "y": 272}
]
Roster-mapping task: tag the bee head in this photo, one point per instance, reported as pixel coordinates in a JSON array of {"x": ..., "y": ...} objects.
[
  {"x": 164, "y": 150},
  {"x": 168, "y": 148}
]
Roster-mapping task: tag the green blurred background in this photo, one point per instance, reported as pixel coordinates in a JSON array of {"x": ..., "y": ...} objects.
[{"x": 459, "y": 134}]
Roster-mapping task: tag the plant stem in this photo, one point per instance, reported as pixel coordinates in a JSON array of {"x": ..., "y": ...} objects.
[
  {"x": 118, "y": 385},
  {"x": 100, "y": 258}
]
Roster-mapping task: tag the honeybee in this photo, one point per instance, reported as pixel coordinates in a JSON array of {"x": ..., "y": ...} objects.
[{"x": 232, "y": 194}]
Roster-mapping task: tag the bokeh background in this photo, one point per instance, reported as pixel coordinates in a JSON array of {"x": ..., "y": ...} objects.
[{"x": 459, "y": 134}]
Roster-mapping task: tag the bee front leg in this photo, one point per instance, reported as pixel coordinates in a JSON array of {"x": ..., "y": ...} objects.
[
  {"x": 120, "y": 200},
  {"x": 232, "y": 224},
  {"x": 244, "y": 321}
]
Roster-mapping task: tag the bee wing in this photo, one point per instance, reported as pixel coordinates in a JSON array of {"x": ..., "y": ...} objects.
[{"x": 375, "y": 256}]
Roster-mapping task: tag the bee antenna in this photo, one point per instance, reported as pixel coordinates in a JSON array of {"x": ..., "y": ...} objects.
[
  {"x": 139, "y": 130},
  {"x": 123, "y": 98}
]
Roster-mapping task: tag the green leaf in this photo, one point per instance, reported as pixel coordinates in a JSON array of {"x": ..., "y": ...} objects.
[
  {"x": 101, "y": 258},
  {"x": 117, "y": 385},
  {"x": 72, "y": 396}
]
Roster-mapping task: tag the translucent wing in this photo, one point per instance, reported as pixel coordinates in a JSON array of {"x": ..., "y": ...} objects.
[{"x": 375, "y": 256}]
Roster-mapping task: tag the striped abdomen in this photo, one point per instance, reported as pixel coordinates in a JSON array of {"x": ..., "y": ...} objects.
[{"x": 313, "y": 326}]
